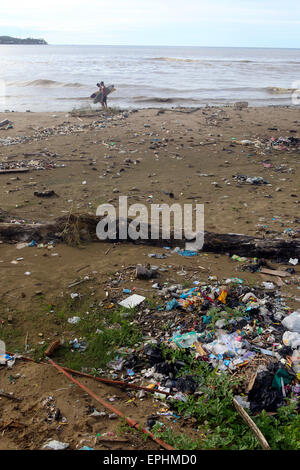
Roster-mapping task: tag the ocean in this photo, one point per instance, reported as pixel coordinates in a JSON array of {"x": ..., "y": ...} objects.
[{"x": 61, "y": 78}]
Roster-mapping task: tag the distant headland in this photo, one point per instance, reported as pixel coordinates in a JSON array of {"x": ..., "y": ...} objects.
[{"x": 11, "y": 40}]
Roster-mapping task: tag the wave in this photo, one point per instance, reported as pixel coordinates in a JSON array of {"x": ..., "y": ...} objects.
[
  {"x": 162, "y": 91},
  {"x": 280, "y": 91},
  {"x": 46, "y": 84},
  {"x": 174, "y": 59},
  {"x": 213, "y": 98},
  {"x": 76, "y": 98},
  {"x": 147, "y": 99},
  {"x": 203, "y": 61}
]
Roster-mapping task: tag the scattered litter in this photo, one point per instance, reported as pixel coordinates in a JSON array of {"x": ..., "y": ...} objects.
[
  {"x": 55, "y": 445},
  {"x": 293, "y": 261},
  {"x": 73, "y": 320},
  {"x": 49, "y": 193},
  {"x": 80, "y": 346},
  {"x": 256, "y": 180},
  {"x": 132, "y": 301}
]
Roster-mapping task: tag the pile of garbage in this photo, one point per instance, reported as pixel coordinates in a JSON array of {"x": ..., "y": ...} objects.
[
  {"x": 283, "y": 143},
  {"x": 230, "y": 327},
  {"x": 268, "y": 144},
  {"x": 30, "y": 165},
  {"x": 66, "y": 128},
  {"x": 257, "y": 180}
]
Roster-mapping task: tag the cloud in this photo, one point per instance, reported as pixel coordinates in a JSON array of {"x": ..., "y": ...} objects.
[{"x": 98, "y": 20}]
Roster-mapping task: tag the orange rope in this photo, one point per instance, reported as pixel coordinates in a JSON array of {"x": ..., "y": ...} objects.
[{"x": 106, "y": 381}]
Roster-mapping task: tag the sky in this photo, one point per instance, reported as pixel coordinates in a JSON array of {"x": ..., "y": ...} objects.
[{"x": 227, "y": 23}]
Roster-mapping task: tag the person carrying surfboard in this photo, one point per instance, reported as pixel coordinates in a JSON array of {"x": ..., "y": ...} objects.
[
  {"x": 97, "y": 97},
  {"x": 102, "y": 89}
]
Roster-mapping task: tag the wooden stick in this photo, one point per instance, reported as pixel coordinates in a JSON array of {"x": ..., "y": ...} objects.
[
  {"x": 251, "y": 425},
  {"x": 77, "y": 282},
  {"x": 83, "y": 267},
  {"x": 10, "y": 397},
  {"x": 11, "y": 424},
  {"x": 112, "y": 440},
  {"x": 275, "y": 272},
  {"x": 252, "y": 380}
]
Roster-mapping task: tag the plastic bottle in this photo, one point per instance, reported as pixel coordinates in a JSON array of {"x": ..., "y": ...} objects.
[{"x": 296, "y": 362}]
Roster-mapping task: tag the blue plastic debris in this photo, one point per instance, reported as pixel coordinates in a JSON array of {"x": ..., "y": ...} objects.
[
  {"x": 171, "y": 304},
  {"x": 187, "y": 252},
  {"x": 206, "y": 319}
]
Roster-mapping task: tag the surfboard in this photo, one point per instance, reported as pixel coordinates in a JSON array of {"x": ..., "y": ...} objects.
[{"x": 98, "y": 95}]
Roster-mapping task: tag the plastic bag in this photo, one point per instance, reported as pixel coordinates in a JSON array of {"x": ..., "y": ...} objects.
[
  {"x": 292, "y": 322},
  {"x": 262, "y": 396},
  {"x": 296, "y": 362},
  {"x": 186, "y": 384},
  {"x": 153, "y": 353},
  {"x": 186, "y": 340},
  {"x": 292, "y": 339},
  {"x": 56, "y": 445}
]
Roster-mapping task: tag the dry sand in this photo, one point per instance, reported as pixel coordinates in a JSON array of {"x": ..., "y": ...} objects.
[{"x": 122, "y": 155}]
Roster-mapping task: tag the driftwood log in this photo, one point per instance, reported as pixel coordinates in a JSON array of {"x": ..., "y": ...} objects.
[{"x": 76, "y": 229}]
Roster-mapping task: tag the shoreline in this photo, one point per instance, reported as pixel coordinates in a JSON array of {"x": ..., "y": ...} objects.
[{"x": 171, "y": 108}]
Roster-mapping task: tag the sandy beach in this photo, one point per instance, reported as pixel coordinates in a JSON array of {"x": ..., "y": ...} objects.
[
  {"x": 193, "y": 155},
  {"x": 150, "y": 230},
  {"x": 89, "y": 158}
]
